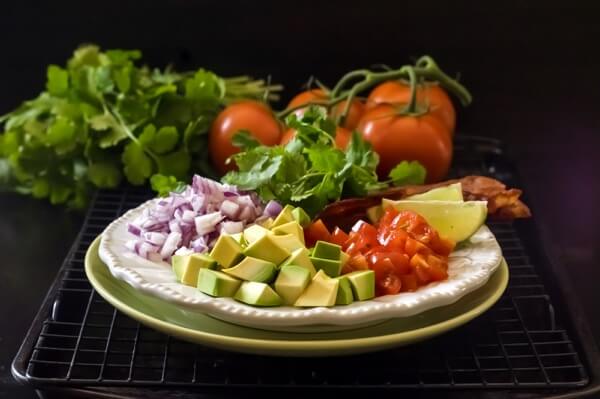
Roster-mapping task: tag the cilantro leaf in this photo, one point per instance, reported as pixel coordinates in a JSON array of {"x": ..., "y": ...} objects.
[
  {"x": 58, "y": 80},
  {"x": 104, "y": 174},
  {"x": 408, "y": 173},
  {"x": 164, "y": 185},
  {"x": 244, "y": 140},
  {"x": 137, "y": 165}
]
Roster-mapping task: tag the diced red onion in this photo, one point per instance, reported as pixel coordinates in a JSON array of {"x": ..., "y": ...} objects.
[
  {"x": 273, "y": 208},
  {"x": 229, "y": 209},
  {"x": 171, "y": 244},
  {"x": 232, "y": 227},
  {"x": 154, "y": 257},
  {"x": 247, "y": 214},
  {"x": 133, "y": 229},
  {"x": 155, "y": 238},
  {"x": 207, "y": 223}
]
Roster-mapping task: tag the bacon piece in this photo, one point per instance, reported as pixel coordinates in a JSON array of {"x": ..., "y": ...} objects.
[{"x": 503, "y": 203}]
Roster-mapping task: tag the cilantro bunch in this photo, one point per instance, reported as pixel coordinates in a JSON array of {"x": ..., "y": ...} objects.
[
  {"x": 309, "y": 171},
  {"x": 102, "y": 120}
]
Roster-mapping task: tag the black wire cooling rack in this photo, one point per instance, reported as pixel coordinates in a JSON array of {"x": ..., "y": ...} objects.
[{"x": 530, "y": 342}]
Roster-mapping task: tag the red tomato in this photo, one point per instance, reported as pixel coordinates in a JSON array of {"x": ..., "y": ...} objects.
[
  {"x": 339, "y": 237},
  {"x": 304, "y": 98},
  {"x": 398, "y": 260},
  {"x": 253, "y": 116},
  {"x": 357, "y": 107},
  {"x": 399, "y": 138},
  {"x": 409, "y": 282},
  {"x": 431, "y": 95},
  {"x": 316, "y": 231},
  {"x": 442, "y": 246},
  {"x": 387, "y": 282},
  {"x": 342, "y": 137},
  {"x": 356, "y": 111},
  {"x": 413, "y": 247}
]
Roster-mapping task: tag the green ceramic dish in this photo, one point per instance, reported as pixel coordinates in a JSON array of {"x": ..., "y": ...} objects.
[{"x": 201, "y": 329}]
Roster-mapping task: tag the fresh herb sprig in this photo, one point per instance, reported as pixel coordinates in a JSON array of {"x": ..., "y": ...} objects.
[
  {"x": 310, "y": 171},
  {"x": 103, "y": 119}
]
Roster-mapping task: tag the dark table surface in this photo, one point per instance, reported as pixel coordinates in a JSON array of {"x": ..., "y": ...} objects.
[{"x": 534, "y": 73}]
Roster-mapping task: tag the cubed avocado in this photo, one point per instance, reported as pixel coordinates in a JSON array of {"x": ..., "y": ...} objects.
[
  {"x": 288, "y": 242},
  {"x": 301, "y": 217},
  {"x": 362, "y": 283},
  {"x": 267, "y": 223},
  {"x": 267, "y": 249},
  {"x": 239, "y": 237},
  {"x": 253, "y": 269},
  {"x": 344, "y": 294},
  {"x": 257, "y": 294},
  {"x": 291, "y": 283},
  {"x": 327, "y": 250},
  {"x": 300, "y": 257},
  {"x": 254, "y": 232},
  {"x": 333, "y": 268},
  {"x": 187, "y": 267},
  {"x": 227, "y": 251},
  {"x": 344, "y": 258},
  {"x": 285, "y": 216},
  {"x": 216, "y": 283},
  {"x": 292, "y": 227},
  {"x": 322, "y": 291}
]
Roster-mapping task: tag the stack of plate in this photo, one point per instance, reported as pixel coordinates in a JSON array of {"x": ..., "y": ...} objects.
[{"x": 149, "y": 293}]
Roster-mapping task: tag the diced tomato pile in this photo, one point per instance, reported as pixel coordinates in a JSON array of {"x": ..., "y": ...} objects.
[{"x": 403, "y": 250}]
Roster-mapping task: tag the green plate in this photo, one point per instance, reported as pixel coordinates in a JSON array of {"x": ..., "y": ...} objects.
[{"x": 201, "y": 329}]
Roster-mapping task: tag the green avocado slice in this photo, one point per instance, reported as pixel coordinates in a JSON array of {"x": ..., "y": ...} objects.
[
  {"x": 257, "y": 294},
  {"x": 216, "y": 283},
  {"x": 187, "y": 267},
  {"x": 362, "y": 283},
  {"x": 291, "y": 283},
  {"x": 344, "y": 294},
  {"x": 227, "y": 251},
  {"x": 253, "y": 269}
]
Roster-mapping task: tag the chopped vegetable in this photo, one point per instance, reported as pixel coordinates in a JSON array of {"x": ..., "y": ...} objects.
[{"x": 192, "y": 220}]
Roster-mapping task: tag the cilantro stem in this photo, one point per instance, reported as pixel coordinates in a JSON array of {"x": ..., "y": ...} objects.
[{"x": 128, "y": 131}]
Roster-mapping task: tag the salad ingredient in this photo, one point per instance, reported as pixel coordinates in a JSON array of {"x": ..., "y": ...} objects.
[
  {"x": 326, "y": 250},
  {"x": 353, "y": 116},
  {"x": 268, "y": 249},
  {"x": 289, "y": 242},
  {"x": 301, "y": 258},
  {"x": 344, "y": 294},
  {"x": 257, "y": 294},
  {"x": 397, "y": 138},
  {"x": 301, "y": 217},
  {"x": 284, "y": 217},
  {"x": 307, "y": 97},
  {"x": 454, "y": 220},
  {"x": 187, "y": 267},
  {"x": 251, "y": 116},
  {"x": 322, "y": 291},
  {"x": 316, "y": 231},
  {"x": 102, "y": 119},
  {"x": 254, "y": 232},
  {"x": 292, "y": 228},
  {"x": 193, "y": 218},
  {"x": 333, "y": 267},
  {"x": 451, "y": 192},
  {"x": 342, "y": 137},
  {"x": 253, "y": 269},
  {"x": 216, "y": 283},
  {"x": 308, "y": 172},
  {"x": 227, "y": 251},
  {"x": 362, "y": 283},
  {"x": 291, "y": 283},
  {"x": 431, "y": 95}
]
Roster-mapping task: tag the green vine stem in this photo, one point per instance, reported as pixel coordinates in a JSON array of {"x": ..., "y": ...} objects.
[
  {"x": 425, "y": 68},
  {"x": 411, "y": 107}
]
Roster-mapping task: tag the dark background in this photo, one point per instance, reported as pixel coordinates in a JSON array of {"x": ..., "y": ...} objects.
[{"x": 533, "y": 69}]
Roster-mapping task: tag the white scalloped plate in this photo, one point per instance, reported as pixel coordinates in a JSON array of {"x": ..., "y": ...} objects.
[{"x": 470, "y": 267}]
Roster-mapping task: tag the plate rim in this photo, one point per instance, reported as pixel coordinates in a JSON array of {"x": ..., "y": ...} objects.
[
  {"x": 373, "y": 310},
  {"x": 255, "y": 345}
]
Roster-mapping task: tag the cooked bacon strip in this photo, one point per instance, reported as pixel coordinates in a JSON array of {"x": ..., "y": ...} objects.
[{"x": 502, "y": 203}]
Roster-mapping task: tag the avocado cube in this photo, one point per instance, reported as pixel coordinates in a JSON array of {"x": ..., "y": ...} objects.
[
  {"x": 254, "y": 232},
  {"x": 216, "y": 283},
  {"x": 375, "y": 213},
  {"x": 267, "y": 249},
  {"x": 267, "y": 223},
  {"x": 239, "y": 237},
  {"x": 300, "y": 257},
  {"x": 333, "y": 268},
  {"x": 344, "y": 258},
  {"x": 257, "y": 294},
  {"x": 288, "y": 242},
  {"x": 187, "y": 267},
  {"x": 344, "y": 294},
  {"x": 285, "y": 216},
  {"x": 322, "y": 291},
  {"x": 227, "y": 251},
  {"x": 301, "y": 217},
  {"x": 327, "y": 250},
  {"x": 291, "y": 283},
  {"x": 362, "y": 283},
  {"x": 253, "y": 269},
  {"x": 290, "y": 228}
]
